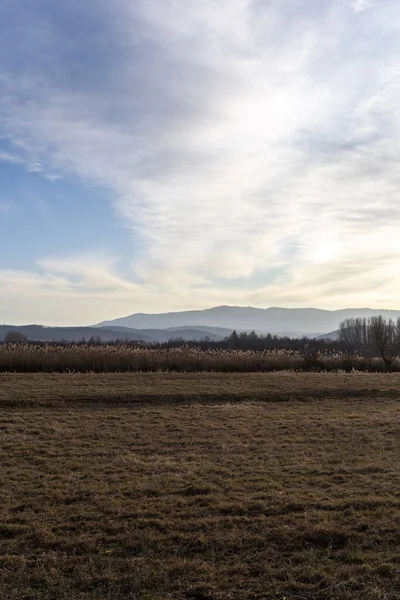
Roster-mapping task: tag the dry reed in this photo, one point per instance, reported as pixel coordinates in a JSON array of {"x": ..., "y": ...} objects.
[{"x": 109, "y": 358}]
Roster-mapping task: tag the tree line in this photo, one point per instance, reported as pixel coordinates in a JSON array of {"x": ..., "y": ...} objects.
[{"x": 372, "y": 336}]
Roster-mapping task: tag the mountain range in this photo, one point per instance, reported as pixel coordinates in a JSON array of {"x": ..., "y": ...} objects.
[
  {"x": 293, "y": 322},
  {"x": 109, "y": 333},
  {"x": 215, "y": 323}
]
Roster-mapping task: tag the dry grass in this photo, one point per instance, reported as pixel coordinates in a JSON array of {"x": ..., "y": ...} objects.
[
  {"x": 54, "y": 388},
  {"x": 33, "y": 357},
  {"x": 145, "y": 498}
]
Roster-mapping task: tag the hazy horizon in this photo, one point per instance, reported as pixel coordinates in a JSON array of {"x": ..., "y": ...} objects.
[
  {"x": 165, "y": 156},
  {"x": 113, "y": 319}
]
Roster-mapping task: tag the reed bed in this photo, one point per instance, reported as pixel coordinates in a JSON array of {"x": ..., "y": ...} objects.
[{"x": 110, "y": 358}]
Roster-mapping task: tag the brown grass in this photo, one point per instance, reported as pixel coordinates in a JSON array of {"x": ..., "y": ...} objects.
[
  {"x": 33, "y": 357},
  {"x": 54, "y": 388},
  {"x": 166, "y": 490}
]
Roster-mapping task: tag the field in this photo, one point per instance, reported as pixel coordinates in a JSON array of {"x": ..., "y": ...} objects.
[{"x": 205, "y": 486}]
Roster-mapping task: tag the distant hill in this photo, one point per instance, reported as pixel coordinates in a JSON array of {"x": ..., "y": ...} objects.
[
  {"x": 332, "y": 335},
  {"x": 294, "y": 322},
  {"x": 72, "y": 334},
  {"x": 218, "y": 331},
  {"x": 187, "y": 333},
  {"x": 213, "y": 323},
  {"x": 111, "y": 333}
]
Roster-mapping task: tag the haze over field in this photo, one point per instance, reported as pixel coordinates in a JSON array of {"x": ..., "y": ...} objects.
[{"x": 173, "y": 155}]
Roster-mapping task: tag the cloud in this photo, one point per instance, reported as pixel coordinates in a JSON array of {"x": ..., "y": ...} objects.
[
  {"x": 11, "y": 158},
  {"x": 32, "y": 166},
  {"x": 235, "y": 137},
  {"x": 88, "y": 273},
  {"x": 82, "y": 290},
  {"x": 361, "y": 5}
]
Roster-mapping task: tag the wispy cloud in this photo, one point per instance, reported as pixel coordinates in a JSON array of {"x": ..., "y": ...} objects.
[
  {"x": 11, "y": 158},
  {"x": 88, "y": 273},
  {"x": 235, "y": 137},
  {"x": 361, "y": 5},
  {"x": 16, "y": 159}
]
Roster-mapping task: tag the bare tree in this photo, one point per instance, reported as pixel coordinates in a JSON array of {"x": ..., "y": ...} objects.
[
  {"x": 354, "y": 333},
  {"x": 382, "y": 334},
  {"x": 374, "y": 335}
]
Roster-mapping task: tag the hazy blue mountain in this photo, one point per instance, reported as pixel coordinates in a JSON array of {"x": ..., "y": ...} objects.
[
  {"x": 110, "y": 333},
  {"x": 214, "y": 323},
  {"x": 218, "y": 331},
  {"x": 186, "y": 333},
  {"x": 280, "y": 321},
  {"x": 72, "y": 334},
  {"x": 332, "y": 335}
]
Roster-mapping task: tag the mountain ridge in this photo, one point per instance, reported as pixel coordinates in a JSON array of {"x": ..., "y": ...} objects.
[
  {"x": 215, "y": 323},
  {"x": 41, "y": 333},
  {"x": 311, "y": 322}
]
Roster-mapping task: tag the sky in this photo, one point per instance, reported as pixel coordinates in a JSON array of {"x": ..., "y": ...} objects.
[{"x": 161, "y": 155}]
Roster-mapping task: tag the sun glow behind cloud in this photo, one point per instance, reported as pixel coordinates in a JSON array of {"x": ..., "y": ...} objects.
[
  {"x": 327, "y": 251},
  {"x": 235, "y": 138}
]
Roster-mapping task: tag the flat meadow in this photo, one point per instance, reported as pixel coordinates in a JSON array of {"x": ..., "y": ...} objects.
[{"x": 200, "y": 486}]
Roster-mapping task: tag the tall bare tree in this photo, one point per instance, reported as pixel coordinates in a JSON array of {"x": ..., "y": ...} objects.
[{"x": 376, "y": 334}]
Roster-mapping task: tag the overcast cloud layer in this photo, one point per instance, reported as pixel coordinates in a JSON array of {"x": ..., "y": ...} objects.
[{"x": 248, "y": 149}]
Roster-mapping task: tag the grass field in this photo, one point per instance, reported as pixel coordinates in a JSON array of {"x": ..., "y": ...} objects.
[{"x": 200, "y": 487}]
